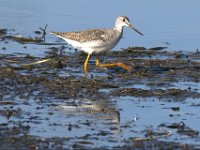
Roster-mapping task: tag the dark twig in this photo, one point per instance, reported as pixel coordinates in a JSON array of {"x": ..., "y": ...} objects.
[
  {"x": 44, "y": 32},
  {"x": 43, "y": 43}
]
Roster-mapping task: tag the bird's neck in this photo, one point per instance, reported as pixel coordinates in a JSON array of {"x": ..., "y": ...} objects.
[{"x": 119, "y": 28}]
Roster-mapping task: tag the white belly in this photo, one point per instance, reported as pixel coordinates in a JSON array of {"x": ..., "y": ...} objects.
[{"x": 95, "y": 46}]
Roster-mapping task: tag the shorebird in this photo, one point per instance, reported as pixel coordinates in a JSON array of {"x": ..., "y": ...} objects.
[{"x": 98, "y": 40}]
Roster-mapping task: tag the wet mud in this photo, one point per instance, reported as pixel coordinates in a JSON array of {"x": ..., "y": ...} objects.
[{"x": 53, "y": 105}]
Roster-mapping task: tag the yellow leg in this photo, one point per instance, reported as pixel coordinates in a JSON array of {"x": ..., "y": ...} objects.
[
  {"x": 86, "y": 63},
  {"x": 118, "y": 64}
]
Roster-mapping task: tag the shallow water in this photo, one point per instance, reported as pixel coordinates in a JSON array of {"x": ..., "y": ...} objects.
[
  {"x": 110, "y": 110},
  {"x": 172, "y": 23},
  {"x": 135, "y": 116}
]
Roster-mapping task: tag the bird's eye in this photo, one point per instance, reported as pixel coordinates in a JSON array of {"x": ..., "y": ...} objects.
[{"x": 124, "y": 20}]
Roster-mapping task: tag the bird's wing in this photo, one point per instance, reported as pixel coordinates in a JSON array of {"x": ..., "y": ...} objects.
[{"x": 85, "y": 35}]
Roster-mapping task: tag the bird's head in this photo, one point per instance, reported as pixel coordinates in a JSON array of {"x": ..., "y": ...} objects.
[{"x": 124, "y": 21}]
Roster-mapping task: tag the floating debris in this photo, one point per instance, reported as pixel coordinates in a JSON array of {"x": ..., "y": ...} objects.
[{"x": 157, "y": 48}]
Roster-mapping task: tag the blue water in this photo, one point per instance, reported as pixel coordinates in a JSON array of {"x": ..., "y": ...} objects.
[{"x": 174, "y": 22}]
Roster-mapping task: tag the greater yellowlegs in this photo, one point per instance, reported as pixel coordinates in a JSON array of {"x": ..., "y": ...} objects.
[{"x": 98, "y": 40}]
